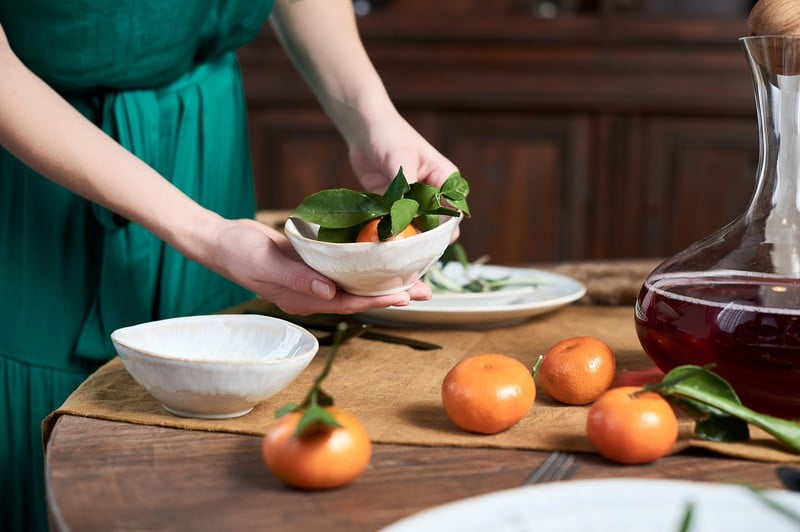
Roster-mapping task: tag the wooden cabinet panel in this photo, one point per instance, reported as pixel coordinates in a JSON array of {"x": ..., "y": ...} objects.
[
  {"x": 529, "y": 184},
  {"x": 296, "y": 153},
  {"x": 699, "y": 177}
]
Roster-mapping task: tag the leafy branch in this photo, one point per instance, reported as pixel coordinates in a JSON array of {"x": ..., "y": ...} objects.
[
  {"x": 342, "y": 212},
  {"x": 717, "y": 410},
  {"x": 440, "y": 281},
  {"x": 313, "y": 406}
]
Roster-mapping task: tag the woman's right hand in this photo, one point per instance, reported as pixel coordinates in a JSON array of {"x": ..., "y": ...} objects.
[{"x": 262, "y": 260}]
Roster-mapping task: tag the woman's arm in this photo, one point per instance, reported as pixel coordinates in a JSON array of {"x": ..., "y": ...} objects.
[
  {"x": 42, "y": 130},
  {"x": 321, "y": 38}
]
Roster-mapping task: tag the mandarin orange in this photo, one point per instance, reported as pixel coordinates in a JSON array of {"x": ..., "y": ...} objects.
[
  {"x": 629, "y": 426},
  {"x": 369, "y": 233},
  {"x": 488, "y": 393},
  {"x": 577, "y": 370}
]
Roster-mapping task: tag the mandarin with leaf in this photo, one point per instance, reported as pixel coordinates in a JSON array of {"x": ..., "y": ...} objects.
[
  {"x": 316, "y": 445},
  {"x": 321, "y": 456}
]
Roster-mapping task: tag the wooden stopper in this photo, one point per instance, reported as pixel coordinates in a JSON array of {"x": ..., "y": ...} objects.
[
  {"x": 778, "y": 18},
  {"x": 774, "y": 17}
]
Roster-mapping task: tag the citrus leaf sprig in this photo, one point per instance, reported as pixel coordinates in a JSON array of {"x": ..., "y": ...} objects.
[
  {"x": 313, "y": 405},
  {"x": 342, "y": 212},
  {"x": 713, "y": 403},
  {"x": 439, "y": 281}
]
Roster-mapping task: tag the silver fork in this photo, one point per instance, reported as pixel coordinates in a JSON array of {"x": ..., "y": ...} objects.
[{"x": 557, "y": 466}]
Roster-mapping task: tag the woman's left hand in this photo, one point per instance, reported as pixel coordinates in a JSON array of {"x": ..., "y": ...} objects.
[{"x": 262, "y": 260}]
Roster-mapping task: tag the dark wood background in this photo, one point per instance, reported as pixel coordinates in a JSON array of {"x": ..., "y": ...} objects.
[{"x": 587, "y": 129}]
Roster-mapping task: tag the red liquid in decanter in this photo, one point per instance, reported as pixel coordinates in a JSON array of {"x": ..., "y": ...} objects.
[{"x": 746, "y": 324}]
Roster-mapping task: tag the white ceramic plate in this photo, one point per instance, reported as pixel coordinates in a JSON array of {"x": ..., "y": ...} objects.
[
  {"x": 555, "y": 291},
  {"x": 643, "y": 505}
]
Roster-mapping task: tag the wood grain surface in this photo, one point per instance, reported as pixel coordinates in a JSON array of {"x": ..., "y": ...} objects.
[{"x": 104, "y": 475}]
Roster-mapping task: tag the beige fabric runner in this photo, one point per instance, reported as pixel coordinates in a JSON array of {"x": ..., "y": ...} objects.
[{"x": 395, "y": 390}]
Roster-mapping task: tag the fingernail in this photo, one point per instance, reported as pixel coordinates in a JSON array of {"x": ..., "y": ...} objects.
[
  {"x": 402, "y": 303},
  {"x": 322, "y": 289}
]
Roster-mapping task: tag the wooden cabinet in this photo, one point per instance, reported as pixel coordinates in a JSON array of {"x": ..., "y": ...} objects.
[{"x": 591, "y": 135}]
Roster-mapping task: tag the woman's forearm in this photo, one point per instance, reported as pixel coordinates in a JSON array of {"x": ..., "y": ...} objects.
[
  {"x": 321, "y": 37},
  {"x": 42, "y": 130}
]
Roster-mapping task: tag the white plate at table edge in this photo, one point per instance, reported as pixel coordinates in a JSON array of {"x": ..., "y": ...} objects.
[
  {"x": 605, "y": 504},
  {"x": 449, "y": 314}
]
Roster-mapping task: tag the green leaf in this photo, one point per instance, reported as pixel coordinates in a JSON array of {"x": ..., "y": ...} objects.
[
  {"x": 403, "y": 212},
  {"x": 436, "y": 277},
  {"x": 314, "y": 415},
  {"x": 456, "y": 252},
  {"x": 385, "y": 228},
  {"x": 688, "y": 514},
  {"x": 323, "y": 399},
  {"x": 286, "y": 409},
  {"x": 703, "y": 386},
  {"x": 397, "y": 189},
  {"x": 339, "y": 236},
  {"x": 441, "y": 211},
  {"x": 338, "y": 208},
  {"x": 461, "y": 205},
  {"x": 426, "y": 222},
  {"x": 455, "y": 190},
  {"x": 455, "y": 187},
  {"x": 781, "y": 508},
  {"x": 713, "y": 424},
  {"x": 427, "y": 196}
]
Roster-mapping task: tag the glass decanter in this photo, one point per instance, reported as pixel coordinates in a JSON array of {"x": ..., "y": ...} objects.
[{"x": 733, "y": 298}]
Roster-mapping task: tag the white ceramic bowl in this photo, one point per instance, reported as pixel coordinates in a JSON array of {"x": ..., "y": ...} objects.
[
  {"x": 217, "y": 366},
  {"x": 371, "y": 268}
]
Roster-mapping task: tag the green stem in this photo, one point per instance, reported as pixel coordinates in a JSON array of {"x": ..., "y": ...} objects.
[
  {"x": 783, "y": 430},
  {"x": 536, "y": 366},
  {"x": 338, "y": 336}
]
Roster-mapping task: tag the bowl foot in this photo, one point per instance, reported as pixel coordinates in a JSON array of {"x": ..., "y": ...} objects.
[{"x": 200, "y": 415}]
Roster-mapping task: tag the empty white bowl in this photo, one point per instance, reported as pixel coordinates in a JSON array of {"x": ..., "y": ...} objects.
[
  {"x": 371, "y": 268},
  {"x": 217, "y": 366}
]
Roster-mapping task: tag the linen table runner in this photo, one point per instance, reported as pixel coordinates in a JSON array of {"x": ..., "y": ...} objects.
[{"x": 395, "y": 390}]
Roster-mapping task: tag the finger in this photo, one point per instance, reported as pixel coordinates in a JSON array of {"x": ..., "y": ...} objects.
[
  {"x": 343, "y": 303},
  {"x": 297, "y": 277},
  {"x": 420, "y": 291}
]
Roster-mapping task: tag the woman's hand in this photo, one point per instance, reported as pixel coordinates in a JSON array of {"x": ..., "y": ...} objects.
[
  {"x": 262, "y": 260},
  {"x": 386, "y": 142}
]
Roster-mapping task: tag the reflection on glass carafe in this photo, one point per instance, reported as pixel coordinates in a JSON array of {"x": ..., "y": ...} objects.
[{"x": 733, "y": 298}]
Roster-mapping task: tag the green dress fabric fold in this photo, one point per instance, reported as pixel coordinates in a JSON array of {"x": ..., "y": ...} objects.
[{"x": 162, "y": 79}]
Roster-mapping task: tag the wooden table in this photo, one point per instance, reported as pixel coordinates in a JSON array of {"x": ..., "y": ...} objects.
[{"x": 104, "y": 475}]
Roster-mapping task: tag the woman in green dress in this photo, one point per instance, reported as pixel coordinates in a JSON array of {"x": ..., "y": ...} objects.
[{"x": 126, "y": 192}]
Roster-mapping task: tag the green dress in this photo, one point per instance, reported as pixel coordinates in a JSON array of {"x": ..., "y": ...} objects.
[{"x": 161, "y": 78}]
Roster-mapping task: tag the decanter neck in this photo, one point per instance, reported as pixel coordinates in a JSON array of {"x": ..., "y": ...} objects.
[{"x": 775, "y": 63}]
